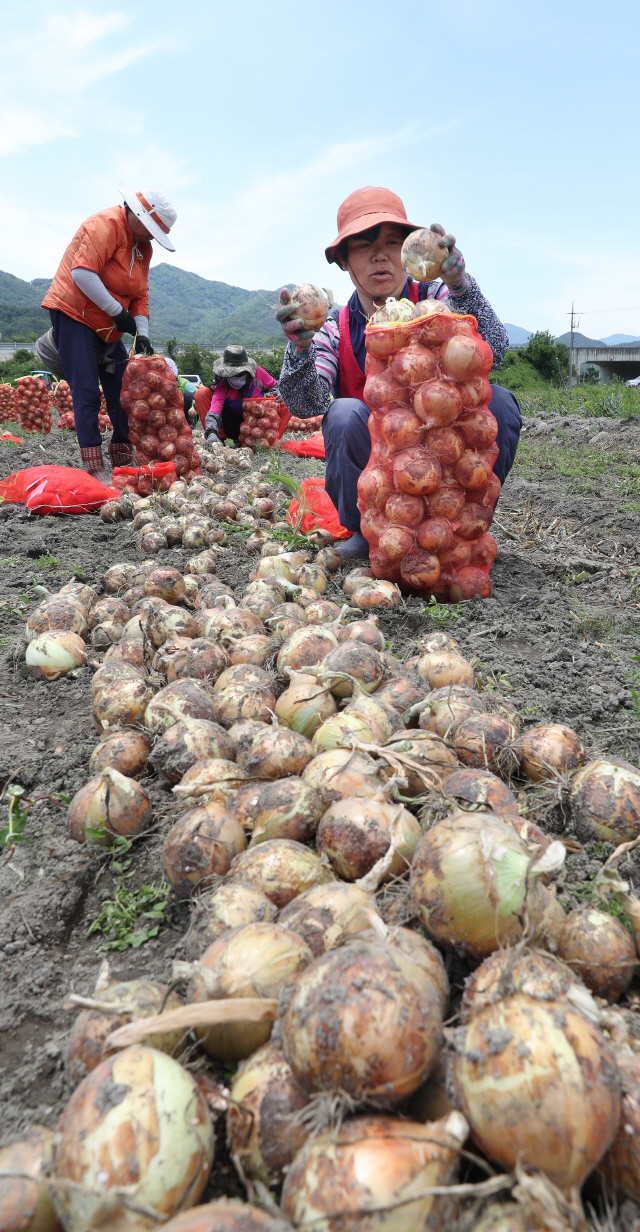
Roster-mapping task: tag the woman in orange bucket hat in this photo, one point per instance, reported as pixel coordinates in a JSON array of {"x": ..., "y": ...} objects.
[{"x": 323, "y": 373}]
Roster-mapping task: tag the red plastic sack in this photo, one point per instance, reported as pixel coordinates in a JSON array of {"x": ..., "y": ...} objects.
[
  {"x": 320, "y": 511},
  {"x": 427, "y": 494},
  {"x": 144, "y": 480},
  {"x": 313, "y": 447},
  {"x": 55, "y": 489},
  {"x": 8, "y": 436}
]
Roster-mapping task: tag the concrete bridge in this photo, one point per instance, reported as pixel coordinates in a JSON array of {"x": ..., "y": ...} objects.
[{"x": 612, "y": 361}]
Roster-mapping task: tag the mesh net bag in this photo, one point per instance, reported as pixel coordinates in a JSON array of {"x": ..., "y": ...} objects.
[
  {"x": 33, "y": 404},
  {"x": 8, "y": 404},
  {"x": 155, "y": 410},
  {"x": 260, "y": 422},
  {"x": 63, "y": 403},
  {"x": 427, "y": 494}
]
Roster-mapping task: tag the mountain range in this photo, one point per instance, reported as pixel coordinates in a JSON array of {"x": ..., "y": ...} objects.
[
  {"x": 182, "y": 305},
  {"x": 193, "y": 309}
]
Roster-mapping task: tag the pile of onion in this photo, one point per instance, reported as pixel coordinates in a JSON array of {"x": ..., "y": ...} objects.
[{"x": 33, "y": 404}]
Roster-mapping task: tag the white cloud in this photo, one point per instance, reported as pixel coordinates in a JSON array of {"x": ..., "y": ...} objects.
[{"x": 57, "y": 63}]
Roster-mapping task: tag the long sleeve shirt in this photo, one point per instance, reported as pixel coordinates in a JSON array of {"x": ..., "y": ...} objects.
[{"x": 309, "y": 379}]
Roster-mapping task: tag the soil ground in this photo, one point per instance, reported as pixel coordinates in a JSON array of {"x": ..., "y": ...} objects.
[{"x": 560, "y": 636}]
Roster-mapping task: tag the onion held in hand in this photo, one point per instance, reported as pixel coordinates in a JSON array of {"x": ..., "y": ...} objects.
[
  {"x": 311, "y": 304},
  {"x": 423, "y": 252}
]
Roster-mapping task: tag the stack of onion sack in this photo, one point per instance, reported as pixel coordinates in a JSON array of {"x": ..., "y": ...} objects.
[
  {"x": 8, "y": 407},
  {"x": 157, "y": 425},
  {"x": 260, "y": 420},
  {"x": 427, "y": 493},
  {"x": 63, "y": 403},
  {"x": 33, "y": 405},
  {"x": 305, "y": 425},
  {"x": 104, "y": 423}
]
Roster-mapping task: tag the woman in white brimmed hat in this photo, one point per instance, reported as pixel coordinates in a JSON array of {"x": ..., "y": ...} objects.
[{"x": 100, "y": 292}]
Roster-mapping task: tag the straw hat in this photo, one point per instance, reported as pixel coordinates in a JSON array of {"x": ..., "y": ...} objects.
[{"x": 154, "y": 211}]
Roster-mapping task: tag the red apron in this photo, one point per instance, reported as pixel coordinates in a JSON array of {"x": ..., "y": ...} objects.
[{"x": 352, "y": 377}]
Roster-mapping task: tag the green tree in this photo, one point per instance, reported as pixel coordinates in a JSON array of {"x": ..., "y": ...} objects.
[
  {"x": 591, "y": 375},
  {"x": 197, "y": 360},
  {"x": 271, "y": 361},
  {"x": 547, "y": 355},
  {"x": 172, "y": 348}
]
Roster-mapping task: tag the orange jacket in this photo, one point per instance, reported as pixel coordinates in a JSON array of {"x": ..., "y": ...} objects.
[{"x": 105, "y": 244}]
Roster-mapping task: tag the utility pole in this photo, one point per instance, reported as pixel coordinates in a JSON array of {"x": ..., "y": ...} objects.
[{"x": 571, "y": 349}]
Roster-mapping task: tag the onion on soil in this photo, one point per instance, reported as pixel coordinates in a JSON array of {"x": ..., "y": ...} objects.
[
  {"x": 168, "y": 622},
  {"x": 305, "y": 704},
  {"x": 431, "y": 755},
  {"x": 184, "y": 699},
  {"x": 53, "y": 654},
  {"x": 328, "y": 915},
  {"x": 368, "y": 1173},
  {"x": 341, "y": 773},
  {"x": 122, "y": 703},
  {"x": 355, "y": 833},
  {"x": 548, "y": 750},
  {"x": 25, "y": 1205},
  {"x": 377, "y": 1039},
  {"x": 560, "y": 1111},
  {"x": 187, "y": 742},
  {"x": 142, "y": 998},
  {"x": 287, "y": 808},
  {"x": 352, "y": 661},
  {"x": 232, "y": 905},
  {"x": 448, "y": 706},
  {"x": 200, "y": 845},
  {"x": 215, "y": 778},
  {"x": 485, "y": 741},
  {"x": 259, "y": 960},
  {"x": 600, "y": 950},
  {"x": 305, "y": 647},
  {"x": 108, "y": 805},
  {"x": 58, "y": 614},
  {"x": 113, "y": 669},
  {"x": 275, "y": 753},
  {"x": 109, "y": 608},
  {"x": 354, "y": 579},
  {"x": 424, "y": 954},
  {"x": 226, "y": 1215},
  {"x": 126, "y": 751},
  {"x": 404, "y": 691},
  {"x": 471, "y": 875},
  {"x": 256, "y": 649},
  {"x": 441, "y": 668},
  {"x": 340, "y": 731},
  {"x": 167, "y": 583},
  {"x": 155, "y": 1144},
  {"x": 262, "y": 1131},
  {"x": 605, "y": 801},
  {"x": 185, "y": 658},
  {"x": 282, "y": 868},
  {"x": 470, "y": 788}
]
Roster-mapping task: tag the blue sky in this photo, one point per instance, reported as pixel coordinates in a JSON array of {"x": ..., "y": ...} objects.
[{"x": 513, "y": 124}]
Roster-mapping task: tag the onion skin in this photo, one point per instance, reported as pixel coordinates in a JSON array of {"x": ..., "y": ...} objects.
[
  {"x": 430, "y": 752},
  {"x": 201, "y": 844},
  {"x": 275, "y": 753},
  {"x": 168, "y": 622},
  {"x": 232, "y": 905},
  {"x": 453, "y": 880},
  {"x": 70, "y": 653},
  {"x": 337, "y": 773},
  {"x": 510, "y": 1217},
  {"x": 122, "y": 702},
  {"x": 484, "y": 741},
  {"x": 621, "y": 1165},
  {"x": 25, "y": 1206},
  {"x": 287, "y": 808},
  {"x": 444, "y": 667},
  {"x": 551, "y": 748},
  {"x": 91, "y": 1028},
  {"x": 600, "y": 951},
  {"x": 354, "y": 659},
  {"x": 328, "y": 915},
  {"x": 529, "y": 971},
  {"x": 305, "y": 647},
  {"x": 186, "y": 743},
  {"x": 305, "y": 705},
  {"x": 354, "y": 578},
  {"x": 259, "y": 960},
  {"x": 181, "y": 700},
  {"x": 362, "y": 1176},
  {"x": 449, "y": 706},
  {"x": 160, "y": 1142},
  {"x": 167, "y": 583},
  {"x": 354, "y": 834},
  {"x": 555, "y": 1106},
  {"x": 403, "y": 692},
  {"x": 281, "y": 868},
  {"x": 226, "y": 1215},
  {"x": 257, "y": 649},
  {"x": 377, "y": 1039},
  {"x": 264, "y": 1097},
  {"x": 194, "y": 659},
  {"x": 241, "y": 703},
  {"x": 111, "y": 802},
  {"x": 423, "y": 954},
  {"x": 215, "y": 778},
  {"x": 64, "y": 615},
  {"x": 126, "y": 751},
  {"x": 605, "y": 801},
  {"x": 340, "y": 731},
  {"x": 479, "y": 787}
]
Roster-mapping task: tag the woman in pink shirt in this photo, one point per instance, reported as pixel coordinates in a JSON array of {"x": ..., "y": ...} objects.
[{"x": 220, "y": 406}]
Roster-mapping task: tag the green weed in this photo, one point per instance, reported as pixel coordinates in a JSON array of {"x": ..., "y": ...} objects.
[
  {"x": 130, "y": 917},
  {"x": 440, "y": 613},
  {"x": 12, "y": 833},
  {"x": 10, "y": 562}
]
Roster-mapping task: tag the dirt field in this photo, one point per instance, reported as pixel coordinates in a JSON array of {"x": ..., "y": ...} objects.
[{"x": 560, "y": 635}]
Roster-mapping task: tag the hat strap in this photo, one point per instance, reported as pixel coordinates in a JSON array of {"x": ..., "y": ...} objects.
[{"x": 156, "y": 217}]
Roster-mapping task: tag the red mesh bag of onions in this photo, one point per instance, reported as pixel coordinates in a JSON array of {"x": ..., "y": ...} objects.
[
  {"x": 427, "y": 494},
  {"x": 155, "y": 410},
  {"x": 318, "y": 511},
  {"x": 260, "y": 422},
  {"x": 33, "y": 404},
  {"x": 144, "y": 480},
  {"x": 8, "y": 404}
]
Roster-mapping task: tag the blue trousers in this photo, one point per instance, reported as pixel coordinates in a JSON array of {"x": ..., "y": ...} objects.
[
  {"x": 81, "y": 352},
  {"x": 348, "y": 447}
]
